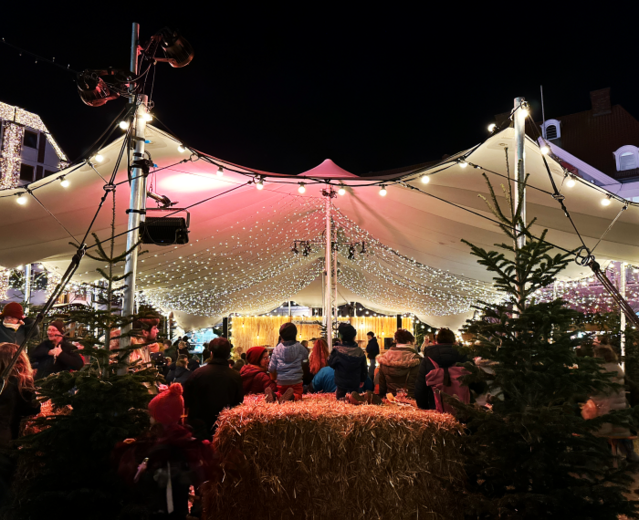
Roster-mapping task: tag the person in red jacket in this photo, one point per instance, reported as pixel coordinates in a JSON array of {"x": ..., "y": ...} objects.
[{"x": 255, "y": 378}]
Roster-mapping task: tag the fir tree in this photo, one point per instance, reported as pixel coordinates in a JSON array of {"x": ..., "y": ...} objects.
[{"x": 532, "y": 455}]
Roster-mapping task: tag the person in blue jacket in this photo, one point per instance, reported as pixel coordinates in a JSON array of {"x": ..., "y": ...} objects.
[
  {"x": 349, "y": 362},
  {"x": 324, "y": 381}
]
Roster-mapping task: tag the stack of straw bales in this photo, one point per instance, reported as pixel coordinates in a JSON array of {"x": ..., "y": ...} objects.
[{"x": 320, "y": 458}]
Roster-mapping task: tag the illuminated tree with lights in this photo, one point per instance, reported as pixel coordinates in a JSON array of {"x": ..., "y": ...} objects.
[{"x": 530, "y": 454}]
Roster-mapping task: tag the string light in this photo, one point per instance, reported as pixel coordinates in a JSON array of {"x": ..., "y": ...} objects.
[
  {"x": 425, "y": 179},
  {"x": 147, "y": 117},
  {"x": 606, "y": 201},
  {"x": 220, "y": 171},
  {"x": 64, "y": 182},
  {"x": 491, "y": 127},
  {"x": 383, "y": 191},
  {"x": 124, "y": 125},
  {"x": 11, "y": 158},
  {"x": 571, "y": 181},
  {"x": 342, "y": 190},
  {"x": 22, "y": 199},
  {"x": 462, "y": 163},
  {"x": 544, "y": 149},
  {"x": 302, "y": 188},
  {"x": 181, "y": 148},
  {"x": 260, "y": 184},
  {"x": 99, "y": 158}
]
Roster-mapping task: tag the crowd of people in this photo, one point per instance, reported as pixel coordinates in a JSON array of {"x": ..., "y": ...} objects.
[{"x": 292, "y": 369}]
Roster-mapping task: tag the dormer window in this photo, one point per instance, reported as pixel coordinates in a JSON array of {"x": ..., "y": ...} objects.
[
  {"x": 627, "y": 158},
  {"x": 552, "y": 129}
]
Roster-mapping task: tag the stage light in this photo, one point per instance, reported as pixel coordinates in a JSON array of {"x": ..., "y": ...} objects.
[
  {"x": 571, "y": 181},
  {"x": 491, "y": 127},
  {"x": 99, "y": 158},
  {"x": 22, "y": 199},
  {"x": 302, "y": 188},
  {"x": 64, "y": 182},
  {"x": 462, "y": 163},
  {"x": 383, "y": 191},
  {"x": 260, "y": 184},
  {"x": 181, "y": 148},
  {"x": 425, "y": 179},
  {"x": 342, "y": 190},
  {"x": 220, "y": 171},
  {"x": 93, "y": 90},
  {"x": 606, "y": 201},
  {"x": 177, "y": 50},
  {"x": 124, "y": 125}
]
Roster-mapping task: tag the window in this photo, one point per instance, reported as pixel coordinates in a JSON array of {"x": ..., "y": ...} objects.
[
  {"x": 30, "y": 139},
  {"x": 552, "y": 129},
  {"x": 26, "y": 172},
  {"x": 627, "y": 158}
]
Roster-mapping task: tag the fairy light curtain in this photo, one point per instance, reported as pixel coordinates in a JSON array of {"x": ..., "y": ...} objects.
[{"x": 251, "y": 331}]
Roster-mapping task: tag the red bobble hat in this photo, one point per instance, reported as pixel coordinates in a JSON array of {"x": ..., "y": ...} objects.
[
  {"x": 14, "y": 310},
  {"x": 254, "y": 354},
  {"x": 168, "y": 407}
]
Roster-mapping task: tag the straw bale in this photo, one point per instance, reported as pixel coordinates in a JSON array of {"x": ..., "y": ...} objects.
[{"x": 321, "y": 458}]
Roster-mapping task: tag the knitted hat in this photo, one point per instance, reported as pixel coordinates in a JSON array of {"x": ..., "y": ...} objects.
[
  {"x": 288, "y": 332},
  {"x": 168, "y": 407},
  {"x": 58, "y": 325},
  {"x": 254, "y": 354},
  {"x": 14, "y": 310},
  {"x": 346, "y": 331}
]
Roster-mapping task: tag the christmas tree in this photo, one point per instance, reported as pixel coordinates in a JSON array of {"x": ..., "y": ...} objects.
[{"x": 529, "y": 453}]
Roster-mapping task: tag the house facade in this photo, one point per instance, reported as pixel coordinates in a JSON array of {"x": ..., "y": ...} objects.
[{"x": 28, "y": 152}]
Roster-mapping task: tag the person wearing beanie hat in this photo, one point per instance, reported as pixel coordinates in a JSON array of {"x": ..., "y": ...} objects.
[
  {"x": 255, "y": 380},
  {"x": 14, "y": 325},
  {"x": 167, "y": 408},
  {"x": 55, "y": 354},
  {"x": 287, "y": 364},
  {"x": 349, "y": 362}
]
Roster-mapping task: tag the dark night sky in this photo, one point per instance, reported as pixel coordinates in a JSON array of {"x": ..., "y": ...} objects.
[{"x": 283, "y": 88}]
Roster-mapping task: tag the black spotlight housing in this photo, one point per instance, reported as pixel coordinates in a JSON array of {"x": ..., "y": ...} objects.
[
  {"x": 177, "y": 50},
  {"x": 93, "y": 90}
]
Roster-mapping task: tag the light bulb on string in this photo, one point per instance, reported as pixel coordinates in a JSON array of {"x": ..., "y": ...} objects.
[
  {"x": 124, "y": 125},
  {"x": 64, "y": 182},
  {"x": 571, "y": 181},
  {"x": 383, "y": 191},
  {"x": 259, "y": 184},
  {"x": 147, "y": 117},
  {"x": 181, "y": 148},
  {"x": 462, "y": 163},
  {"x": 220, "y": 171},
  {"x": 425, "y": 179},
  {"x": 22, "y": 199},
  {"x": 99, "y": 158},
  {"x": 342, "y": 190},
  {"x": 492, "y": 127},
  {"x": 544, "y": 149},
  {"x": 606, "y": 201},
  {"x": 302, "y": 188}
]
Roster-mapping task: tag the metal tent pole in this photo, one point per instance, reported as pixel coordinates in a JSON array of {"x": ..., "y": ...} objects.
[
  {"x": 137, "y": 203},
  {"x": 328, "y": 308},
  {"x": 27, "y": 288},
  {"x": 519, "y": 122},
  {"x": 622, "y": 289}
]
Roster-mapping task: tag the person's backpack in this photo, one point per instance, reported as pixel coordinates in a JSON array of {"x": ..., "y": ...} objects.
[{"x": 447, "y": 380}]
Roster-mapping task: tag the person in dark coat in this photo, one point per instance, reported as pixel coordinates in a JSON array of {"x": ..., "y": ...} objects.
[
  {"x": 348, "y": 361},
  {"x": 372, "y": 351},
  {"x": 180, "y": 373},
  {"x": 56, "y": 354},
  {"x": 14, "y": 325},
  {"x": 255, "y": 378},
  {"x": 399, "y": 366},
  {"x": 445, "y": 355},
  {"x": 16, "y": 402},
  {"x": 212, "y": 388}
]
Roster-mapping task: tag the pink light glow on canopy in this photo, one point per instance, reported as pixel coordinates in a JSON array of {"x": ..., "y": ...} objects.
[{"x": 190, "y": 183}]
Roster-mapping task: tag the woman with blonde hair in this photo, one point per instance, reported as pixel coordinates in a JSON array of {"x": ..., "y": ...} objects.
[
  {"x": 16, "y": 402},
  {"x": 319, "y": 356}
]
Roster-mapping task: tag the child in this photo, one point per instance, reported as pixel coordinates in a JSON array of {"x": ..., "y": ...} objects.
[
  {"x": 286, "y": 365},
  {"x": 349, "y": 362}
]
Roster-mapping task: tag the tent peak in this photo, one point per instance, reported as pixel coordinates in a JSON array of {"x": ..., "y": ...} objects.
[{"x": 327, "y": 169}]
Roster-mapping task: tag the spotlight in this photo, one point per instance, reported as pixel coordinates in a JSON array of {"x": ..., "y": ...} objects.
[
  {"x": 571, "y": 181},
  {"x": 544, "y": 149},
  {"x": 22, "y": 199},
  {"x": 93, "y": 90},
  {"x": 260, "y": 184},
  {"x": 606, "y": 201},
  {"x": 99, "y": 158},
  {"x": 302, "y": 188},
  {"x": 425, "y": 179},
  {"x": 177, "y": 50},
  {"x": 64, "y": 182},
  {"x": 492, "y": 127},
  {"x": 342, "y": 190},
  {"x": 147, "y": 117},
  {"x": 220, "y": 171},
  {"x": 462, "y": 163},
  {"x": 383, "y": 191},
  {"x": 124, "y": 125}
]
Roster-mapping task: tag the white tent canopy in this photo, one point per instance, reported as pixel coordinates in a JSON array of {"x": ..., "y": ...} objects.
[{"x": 239, "y": 257}]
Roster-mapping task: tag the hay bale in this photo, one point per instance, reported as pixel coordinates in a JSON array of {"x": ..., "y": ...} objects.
[{"x": 321, "y": 458}]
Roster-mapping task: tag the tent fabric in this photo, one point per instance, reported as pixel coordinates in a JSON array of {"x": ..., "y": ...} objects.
[{"x": 239, "y": 257}]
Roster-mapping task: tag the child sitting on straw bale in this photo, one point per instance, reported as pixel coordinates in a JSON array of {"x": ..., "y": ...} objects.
[
  {"x": 349, "y": 362},
  {"x": 286, "y": 365}
]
